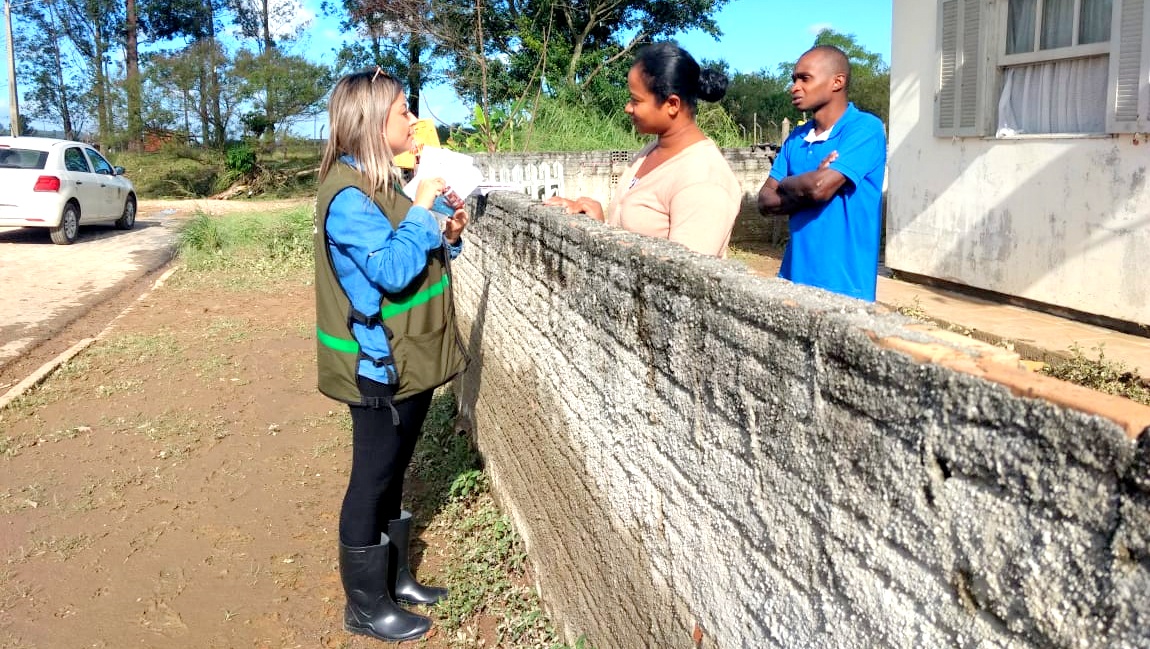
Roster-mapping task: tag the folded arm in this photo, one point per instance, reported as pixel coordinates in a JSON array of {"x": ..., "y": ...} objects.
[{"x": 802, "y": 191}]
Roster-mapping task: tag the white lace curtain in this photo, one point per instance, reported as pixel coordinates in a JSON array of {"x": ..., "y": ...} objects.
[
  {"x": 1067, "y": 96},
  {"x": 1061, "y": 96}
]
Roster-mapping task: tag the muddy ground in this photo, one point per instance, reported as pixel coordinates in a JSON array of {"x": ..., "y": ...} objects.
[{"x": 177, "y": 484}]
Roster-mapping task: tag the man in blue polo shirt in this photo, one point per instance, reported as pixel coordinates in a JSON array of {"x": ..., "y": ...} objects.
[{"x": 828, "y": 179}]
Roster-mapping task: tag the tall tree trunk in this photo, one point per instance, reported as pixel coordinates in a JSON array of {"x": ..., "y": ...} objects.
[
  {"x": 220, "y": 129},
  {"x": 415, "y": 46},
  {"x": 58, "y": 71},
  {"x": 265, "y": 16},
  {"x": 65, "y": 100},
  {"x": 203, "y": 99},
  {"x": 100, "y": 87},
  {"x": 134, "y": 90},
  {"x": 269, "y": 45}
]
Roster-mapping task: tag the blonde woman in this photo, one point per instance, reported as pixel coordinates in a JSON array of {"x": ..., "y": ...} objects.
[{"x": 386, "y": 337}]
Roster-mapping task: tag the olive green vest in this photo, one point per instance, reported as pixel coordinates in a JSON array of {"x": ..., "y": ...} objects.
[{"x": 420, "y": 320}]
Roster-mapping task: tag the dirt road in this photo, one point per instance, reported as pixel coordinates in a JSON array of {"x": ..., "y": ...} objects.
[
  {"x": 177, "y": 484},
  {"x": 55, "y": 295}
]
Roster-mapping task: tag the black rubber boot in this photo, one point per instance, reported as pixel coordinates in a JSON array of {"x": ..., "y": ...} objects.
[
  {"x": 403, "y": 585},
  {"x": 370, "y": 609}
]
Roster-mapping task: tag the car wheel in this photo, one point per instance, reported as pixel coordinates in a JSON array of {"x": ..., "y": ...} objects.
[
  {"x": 69, "y": 227},
  {"x": 128, "y": 219}
]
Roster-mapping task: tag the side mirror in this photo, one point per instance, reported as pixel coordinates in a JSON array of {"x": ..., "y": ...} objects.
[{"x": 118, "y": 171}]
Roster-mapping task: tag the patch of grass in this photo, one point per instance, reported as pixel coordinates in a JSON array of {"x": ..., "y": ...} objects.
[
  {"x": 441, "y": 456},
  {"x": 1102, "y": 374},
  {"x": 64, "y": 547},
  {"x": 228, "y": 330},
  {"x": 175, "y": 172},
  {"x": 255, "y": 250},
  {"x": 106, "y": 491},
  {"x": 485, "y": 565},
  {"x": 913, "y": 310},
  {"x": 28, "y": 404},
  {"x": 71, "y": 432},
  {"x": 565, "y": 126},
  {"x": 13, "y": 590},
  {"x": 138, "y": 347},
  {"x": 26, "y": 497},
  {"x": 118, "y": 387},
  {"x": 182, "y": 171},
  {"x": 75, "y": 367},
  {"x": 568, "y": 124}
]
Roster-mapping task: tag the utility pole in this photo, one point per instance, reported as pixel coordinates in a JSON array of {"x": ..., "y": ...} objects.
[{"x": 13, "y": 106}]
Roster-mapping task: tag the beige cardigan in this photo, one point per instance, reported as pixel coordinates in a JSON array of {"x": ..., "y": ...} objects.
[{"x": 691, "y": 199}]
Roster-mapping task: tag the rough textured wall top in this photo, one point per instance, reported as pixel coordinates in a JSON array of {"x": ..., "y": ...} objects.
[{"x": 688, "y": 449}]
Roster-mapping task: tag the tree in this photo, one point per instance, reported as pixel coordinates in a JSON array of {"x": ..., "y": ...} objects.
[
  {"x": 281, "y": 86},
  {"x": 593, "y": 28},
  {"x": 503, "y": 51},
  {"x": 199, "y": 21},
  {"x": 55, "y": 90},
  {"x": 171, "y": 80},
  {"x": 396, "y": 35},
  {"x": 133, "y": 85},
  {"x": 91, "y": 26},
  {"x": 759, "y": 102}
]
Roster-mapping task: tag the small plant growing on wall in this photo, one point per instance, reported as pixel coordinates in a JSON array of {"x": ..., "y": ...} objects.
[{"x": 1102, "y": 374}]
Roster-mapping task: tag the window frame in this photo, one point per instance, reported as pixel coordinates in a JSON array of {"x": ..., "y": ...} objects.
[
  {"x": 95, "y": 160},
  {"x": 1127, "y": 83},
  {"x": 80, "y": 152},
  {"x": 1074, "y": 51}
]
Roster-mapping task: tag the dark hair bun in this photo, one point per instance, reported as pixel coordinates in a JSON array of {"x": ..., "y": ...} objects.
[{"x": 712, "y": 84}]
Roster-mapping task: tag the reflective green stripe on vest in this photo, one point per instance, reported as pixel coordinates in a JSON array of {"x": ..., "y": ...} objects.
[
  {"x": 391, "y": 310},
  {"x": 338, "y": 344},
  {"x": 395, "y": 308}
]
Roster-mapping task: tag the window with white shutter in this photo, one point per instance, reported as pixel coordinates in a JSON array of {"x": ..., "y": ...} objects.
[
  {"x": 1033, "y": 67},
  {"x": 1128, "y": 99},
  {"x": 959, "y": 103}
]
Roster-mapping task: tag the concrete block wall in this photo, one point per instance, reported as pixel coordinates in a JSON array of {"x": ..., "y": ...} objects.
[
  {"x": 699, "y": 457},
  {"x": 596, "y": 173}
]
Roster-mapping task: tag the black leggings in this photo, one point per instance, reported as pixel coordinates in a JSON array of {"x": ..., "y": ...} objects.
[{"x": 380, "y": 453}]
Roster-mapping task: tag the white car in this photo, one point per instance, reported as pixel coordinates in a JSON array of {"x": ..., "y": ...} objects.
[{"x": 58, "y": 184}]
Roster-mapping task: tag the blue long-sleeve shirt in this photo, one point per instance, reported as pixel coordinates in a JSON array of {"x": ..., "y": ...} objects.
[{"x": 371, "y": 258}]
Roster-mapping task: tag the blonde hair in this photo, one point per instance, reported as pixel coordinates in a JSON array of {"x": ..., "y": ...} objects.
[{"x": 357, "y": 117}]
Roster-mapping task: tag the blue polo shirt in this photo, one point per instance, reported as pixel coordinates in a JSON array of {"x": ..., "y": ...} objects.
[{"x": 835, "y": 245}]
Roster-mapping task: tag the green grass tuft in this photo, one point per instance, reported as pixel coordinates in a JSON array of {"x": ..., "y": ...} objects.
[
  {"x": 1102, "y": 374},
  {"x": 245, "y": 251}
]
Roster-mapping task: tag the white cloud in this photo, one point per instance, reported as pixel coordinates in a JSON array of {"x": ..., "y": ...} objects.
[{"x": 818, "y": 27}]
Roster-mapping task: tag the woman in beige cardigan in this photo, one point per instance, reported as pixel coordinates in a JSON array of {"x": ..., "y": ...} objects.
[{"x": 680, "y": 186}]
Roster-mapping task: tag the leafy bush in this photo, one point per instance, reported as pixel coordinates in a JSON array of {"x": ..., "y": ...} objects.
[
  {"x": 290, "y": 238},
  {"x": 178, "y": 173},
  {"x": 240, "y": 159},
  {"x": 559, "y": 125}
]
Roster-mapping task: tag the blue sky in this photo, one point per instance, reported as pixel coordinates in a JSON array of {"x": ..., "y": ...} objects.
[{"x": 757, "y": 34}]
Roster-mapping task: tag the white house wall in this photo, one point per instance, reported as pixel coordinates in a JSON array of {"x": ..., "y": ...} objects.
[{"x": 1060, "y": 221}]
